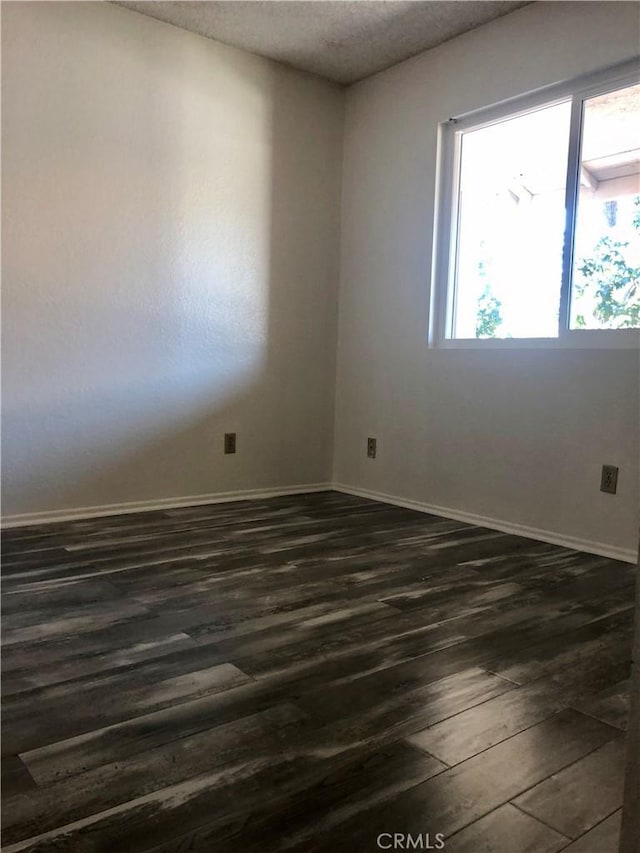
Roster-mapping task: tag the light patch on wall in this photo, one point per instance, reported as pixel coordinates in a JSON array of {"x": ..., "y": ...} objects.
[{"x": 166, "y": 264}]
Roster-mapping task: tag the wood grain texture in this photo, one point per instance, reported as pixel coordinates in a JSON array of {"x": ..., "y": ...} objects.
[
  {"x": 302, "y": 673},
  {"x": 596, "y": 782},
  {"x": 603, "y": 838},
  {"x": 466, "y": 792},
  {"x": 506, "y": 828}
]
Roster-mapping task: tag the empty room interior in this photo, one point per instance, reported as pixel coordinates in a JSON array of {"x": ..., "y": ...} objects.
[{"x": 320, "y": 426}]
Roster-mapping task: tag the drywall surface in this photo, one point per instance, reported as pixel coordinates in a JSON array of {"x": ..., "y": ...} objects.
[
  {"x": 170, "y": 262},
  {"x": 518, "y": 436}
]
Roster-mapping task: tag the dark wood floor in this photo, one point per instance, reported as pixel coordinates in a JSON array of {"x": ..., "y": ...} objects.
[{"x": 306, "y": 673}]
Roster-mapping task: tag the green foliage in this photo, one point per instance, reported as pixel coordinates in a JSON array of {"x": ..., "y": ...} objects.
[
  {"x": 613, "y": 281},
  {"x": 488, "y": 316}
]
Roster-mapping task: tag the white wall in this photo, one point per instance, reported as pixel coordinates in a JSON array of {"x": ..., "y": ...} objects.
[
  {"x": 516, "y": 436},
  {"x": 170, "y": 264}
]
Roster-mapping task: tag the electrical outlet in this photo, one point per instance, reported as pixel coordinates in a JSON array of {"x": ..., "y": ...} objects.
[
  {"x": 609, "y": 479},
  {"x": 229, "y": 442},
  {"x": 371, "y": 448}
]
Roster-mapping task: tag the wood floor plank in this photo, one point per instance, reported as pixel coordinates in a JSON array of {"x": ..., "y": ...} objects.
[
  {"x": 24, "y": 658},
  {"x": 65, "y": 597},
  {"x": 447, "y": 802},
  {"x": 79, "y": 665},
  {"x": 349, "y": 725},
  {"x": 15, "y": 777},
  {"x": 477, "y": 786},
  {"x": 472, "y": 731},
  {"x": 356, "y": 711},
  {"x": 239, "y": 747},
  {"x": 578, "y": 797},
  {"x": 293, "y": 673},
  {"x": 506, "y": 830},
  {"x": 603, "y": 838},
  {"x": 611, "y": 704},
  {"x": 278, "y": 794},
  {"x": 36, "y": 719},
  {"x": 45, "y": 625},
  {"x": 612, "y": 632},
  {"x": 341, "y": 794}
]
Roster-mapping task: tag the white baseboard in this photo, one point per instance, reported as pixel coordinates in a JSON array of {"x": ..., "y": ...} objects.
[
  {"x": 600, "y": 548},
  {"x": 590, "y": 547},
  {"x": 29, "y": 518}
]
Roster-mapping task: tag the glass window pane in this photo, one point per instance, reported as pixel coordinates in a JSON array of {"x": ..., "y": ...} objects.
[
  {"x": 511, "y": 219},
  {"x": 606, "y": 268}
]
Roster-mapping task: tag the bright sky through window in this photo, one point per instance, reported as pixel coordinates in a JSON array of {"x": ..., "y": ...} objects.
[{"x": 511, "y": 223}]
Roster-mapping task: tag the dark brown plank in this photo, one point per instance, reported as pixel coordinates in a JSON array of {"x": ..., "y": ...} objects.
[
  {"x": 363, "y": 637},
  {"x": 15, "y": 777},
  {"x": 34, "y": 719},
  {"x": 611, "y": 704},
  {"x": 461, "y": 736},
  {"x": 603, "y": 838},
  {"x": 506, "y": 830},
  {"x": 219, "y": 756},
  {"x": 580, "y": 796},
  {"x": 283, "y": 795},
  {"x": 448, "y": 801}
]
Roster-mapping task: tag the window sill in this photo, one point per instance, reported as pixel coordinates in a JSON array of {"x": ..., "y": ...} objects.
[{"x": 578, "y": 339}]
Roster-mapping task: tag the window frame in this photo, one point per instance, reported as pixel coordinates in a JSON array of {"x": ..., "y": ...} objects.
[{"x": 446, "y": 213}]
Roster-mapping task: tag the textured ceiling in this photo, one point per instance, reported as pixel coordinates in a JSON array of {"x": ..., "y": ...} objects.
[{"x": 341, "y": 40}]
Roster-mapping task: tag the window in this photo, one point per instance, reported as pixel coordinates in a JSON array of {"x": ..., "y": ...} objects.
[{"x": 539, "y": 205}]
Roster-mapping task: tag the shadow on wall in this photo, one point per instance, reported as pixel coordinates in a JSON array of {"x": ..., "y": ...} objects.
[{"x": 179, "y": 284}]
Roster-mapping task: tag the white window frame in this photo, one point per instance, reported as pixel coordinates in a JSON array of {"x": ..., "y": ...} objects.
[{"x": 446, "y": 214}]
